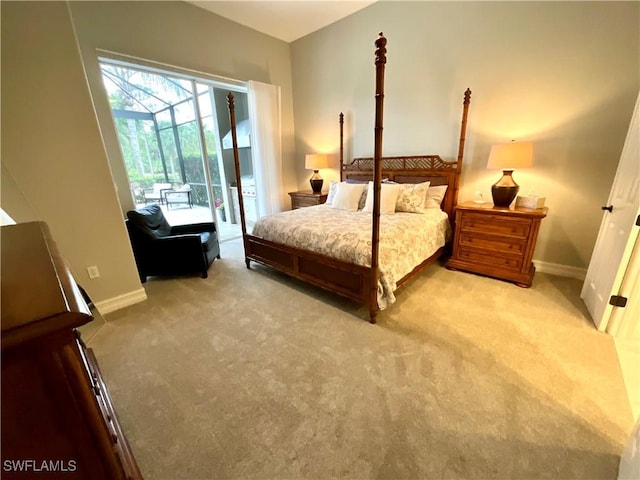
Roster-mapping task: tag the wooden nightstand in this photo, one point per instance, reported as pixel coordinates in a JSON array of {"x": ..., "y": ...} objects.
[
  {"x": 497, "y": 242},
  {"x": 306, "y": 199}
]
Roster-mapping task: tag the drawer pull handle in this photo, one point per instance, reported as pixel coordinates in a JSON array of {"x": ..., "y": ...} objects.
[{"x": 609, "y": 207}]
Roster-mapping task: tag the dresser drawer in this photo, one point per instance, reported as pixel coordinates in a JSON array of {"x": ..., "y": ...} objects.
[
  {"x": 498, "y": 224},
  {"x": 120, "y": 446},
  {"x": 507, "y": 245},
  {"x": 473, "y": 256}
]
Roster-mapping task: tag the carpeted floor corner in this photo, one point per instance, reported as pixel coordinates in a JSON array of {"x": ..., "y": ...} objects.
[{"x": 248, "y": 374}]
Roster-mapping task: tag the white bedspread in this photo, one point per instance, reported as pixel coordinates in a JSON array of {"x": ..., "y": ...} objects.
[{"x": 406, "y": 239}]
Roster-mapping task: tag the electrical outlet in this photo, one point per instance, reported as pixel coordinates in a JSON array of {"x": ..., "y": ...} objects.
[{"x": 93, "y": 272}]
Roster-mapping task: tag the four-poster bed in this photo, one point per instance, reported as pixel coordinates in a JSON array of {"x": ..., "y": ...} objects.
[{"x": 360, "y": 281}]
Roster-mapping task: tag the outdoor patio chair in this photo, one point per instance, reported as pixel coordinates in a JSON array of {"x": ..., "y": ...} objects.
[
  {"x": 182, "y": 194},
  {"x": 137, "y": 192},
  {"x": 156, "y": 194},
  {"x": 160, "y": 249}
]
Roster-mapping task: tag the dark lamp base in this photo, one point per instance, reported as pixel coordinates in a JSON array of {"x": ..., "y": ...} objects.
[
  {"x": 316, "y": 185},
  {"x": 504, "y": 191},
  {"x": 316, "y": 182}
]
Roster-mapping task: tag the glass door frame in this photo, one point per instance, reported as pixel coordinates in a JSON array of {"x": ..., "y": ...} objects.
[{"x": 226, "y": 199}]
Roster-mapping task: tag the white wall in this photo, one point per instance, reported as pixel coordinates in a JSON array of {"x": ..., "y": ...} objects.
[{"x": 562, "y": 74}]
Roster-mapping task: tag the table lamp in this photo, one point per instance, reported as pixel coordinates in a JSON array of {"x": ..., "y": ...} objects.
[
  {"x": 316, "y": 161},
  {"x": 508, "y": 157}
]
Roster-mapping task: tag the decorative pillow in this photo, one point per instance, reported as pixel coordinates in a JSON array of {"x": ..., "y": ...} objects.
[
  {"x": 435, "y": 195},
  {"x": 347, "y": 196},
  {"x": 412, "y": 197},
  {"x": 388, "y": 197},
  {"x": 333, "y": 188},
  {"x": 363, "y": 199}
]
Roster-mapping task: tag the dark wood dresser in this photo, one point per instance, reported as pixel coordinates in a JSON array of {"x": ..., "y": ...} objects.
[
  {"x": 57, "y": 417},
  {"x": 306, "y": 199},
  {"x": 496, "y": 242}
]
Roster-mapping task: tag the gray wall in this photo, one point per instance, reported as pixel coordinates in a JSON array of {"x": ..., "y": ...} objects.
[
  {"x": 181, "y": 35},
  {"x": 562, "y": 74},
  {"x": 58, "y": 140},
  {"x": 54, "y": 166}
]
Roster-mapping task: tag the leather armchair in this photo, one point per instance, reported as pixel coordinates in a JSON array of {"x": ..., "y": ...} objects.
[{"x": 160, "y": 249}]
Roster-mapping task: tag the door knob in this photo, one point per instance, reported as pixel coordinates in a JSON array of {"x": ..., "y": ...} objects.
[{"x": 610, "y": 208}]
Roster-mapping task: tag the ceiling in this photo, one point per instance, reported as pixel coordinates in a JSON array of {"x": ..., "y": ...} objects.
[{"x": 286, "y": 20}]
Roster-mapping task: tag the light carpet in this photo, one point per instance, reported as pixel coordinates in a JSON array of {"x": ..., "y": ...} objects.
[{"x": 250, "y": 374}]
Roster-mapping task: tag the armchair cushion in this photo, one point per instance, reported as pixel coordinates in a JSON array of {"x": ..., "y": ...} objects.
[{"x": 160, "y": 249}]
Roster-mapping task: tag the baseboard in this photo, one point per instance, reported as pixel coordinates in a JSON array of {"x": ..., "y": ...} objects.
[
  {"x": 121, "y": 301},
  {"x": 560, "y": 270}
]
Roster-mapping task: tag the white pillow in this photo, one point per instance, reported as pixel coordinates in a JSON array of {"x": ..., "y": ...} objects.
[
  {"x": 435, "y": 196},
  {"x": 347, "y": 196},
  {"x": 412, "y": 197},
  {"x": 333, "y": 188},
  {"x": 388, "y": 197}
]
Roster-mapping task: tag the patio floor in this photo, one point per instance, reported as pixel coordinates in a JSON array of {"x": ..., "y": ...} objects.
[{"x": 181, "y": 215}]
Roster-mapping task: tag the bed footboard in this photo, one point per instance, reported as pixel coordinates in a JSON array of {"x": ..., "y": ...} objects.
[{"x": 346, "y": 279}]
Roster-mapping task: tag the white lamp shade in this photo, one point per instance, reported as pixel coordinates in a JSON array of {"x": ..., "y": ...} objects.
[
  {"x": 316, "y": 161},
  {"x": 509, "y": 156}
]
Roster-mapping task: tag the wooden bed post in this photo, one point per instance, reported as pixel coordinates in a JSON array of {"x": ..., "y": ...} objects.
[
  {"x": 381, "y": 60},
  {"x": 236, "y": 161},
  {"x": 463, "y": 133},
  {"x": 341, "y": 116}
]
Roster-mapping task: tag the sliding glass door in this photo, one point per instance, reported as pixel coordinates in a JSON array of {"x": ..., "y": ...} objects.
[{"x": 170, "y": 129}]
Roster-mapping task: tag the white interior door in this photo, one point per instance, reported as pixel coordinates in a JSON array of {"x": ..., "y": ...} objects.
[
  {"x": 624, "y": 323},
  {"x": 618, "y": 231}
]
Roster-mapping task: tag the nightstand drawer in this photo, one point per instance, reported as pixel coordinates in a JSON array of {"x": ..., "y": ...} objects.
[
  {"x": 507, "y": 245},
  {"x": 488, "y": 259},
  {"x": 498, "y": 224},
  {"x": 301, "y": 202},
  {"x": 497, "y": 242},
  {"x": 306, "y": 199}
]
